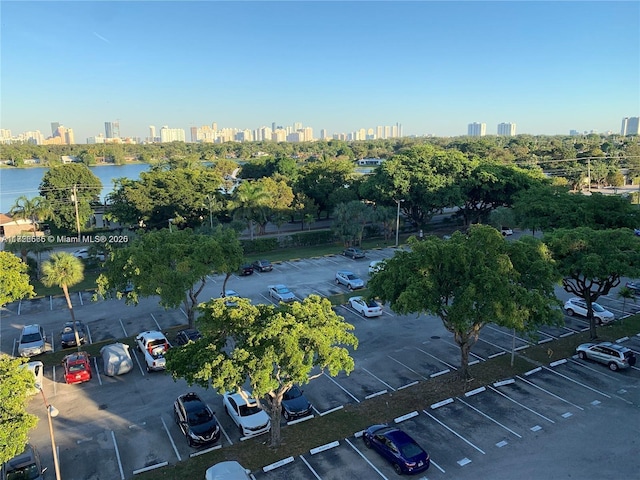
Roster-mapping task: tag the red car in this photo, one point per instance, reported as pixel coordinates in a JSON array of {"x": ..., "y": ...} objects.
[{"x": 77, "y": 368}]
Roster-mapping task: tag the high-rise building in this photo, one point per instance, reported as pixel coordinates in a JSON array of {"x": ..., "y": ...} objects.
[
  {"x": 152, "y": 133},
  {"x": 476, "y": 129},
  {"x": 194, "y": 134},
  {"x": 507, "y": 129},
  {"x": 172, "y": 134},
  {"x": 630, "y": 126},
  {"x": 112, "y": 129},
  {"x": 54, "y": 128}
]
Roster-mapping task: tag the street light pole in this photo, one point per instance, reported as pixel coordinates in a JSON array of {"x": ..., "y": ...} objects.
[
  {"x": 52, "y": 412},
  {"x": 170, "y": 222},
  {"x": 398, "y": 223},
  {"x": 210, "y": 213}
]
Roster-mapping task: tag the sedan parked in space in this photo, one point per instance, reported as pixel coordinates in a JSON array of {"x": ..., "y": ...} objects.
[
  {"x": 368, "y": 308},
  {"x": 397, "y": 447},
  {"x": 68, "y": 335},
  {"x": 187, "y": 335},
  {"x": 353, "y": 252},
  {"x": 77, "y": 367},
  {"x": 295, "y": 404},
  {"x": 615, "y": 356},
  {"x": 246, "y": 269},
  {"x": 250, "y": 419},
  {"x": 116, "y": 359},
  {"x": 229, "y": 293},
  {"x": 349, "y": 279},
  {"x": 634, "y": 287},
  {"x": 196, "y": 420},
  {"x": 262, "y": 265},
  {"x": 376, "y": 266},
  {"x": 579, "y": 307},
  {"x": 32, "y": 341},
  {"x": 281, "y": 293}
]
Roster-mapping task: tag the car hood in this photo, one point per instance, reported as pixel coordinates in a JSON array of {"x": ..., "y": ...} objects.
[
  {"x": 71, "y": 337},
  {"x": 205, "y": 428},
  {"x": 298, "y": 404},
  {"x": 255, "y": 420}
]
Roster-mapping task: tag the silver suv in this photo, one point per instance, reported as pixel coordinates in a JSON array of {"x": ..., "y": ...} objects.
[
  {"x": 32, "y": 341},
  {"x": 579, "y": 307},
  {"x": 611, "y": 354}
]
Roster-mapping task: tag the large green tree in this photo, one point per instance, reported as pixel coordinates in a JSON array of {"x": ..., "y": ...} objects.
[
  {"x": 592, "y": 262},
  {"x": 34, "y": 209},
  {"x": 350, "y": 219},
  {"x": 173, "y": 265},
  {"x": 249, "y": 202},
  {"x": 322, "y": 181},
  {"x": 15, "y": 422},
  {"x": 65, "y": 185},
  {"x": 274, "y": 348},
  {"x": 14, "y": 280},
  {"x": 469, "y": 281}
]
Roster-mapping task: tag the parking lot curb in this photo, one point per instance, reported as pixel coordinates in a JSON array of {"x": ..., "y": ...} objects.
[
  {"x": 277, "y": 464},
  {"x": 322, "y": 448},
  {"x": 150, "y": 467}
]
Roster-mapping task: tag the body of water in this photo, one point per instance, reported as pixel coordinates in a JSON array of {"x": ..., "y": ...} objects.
[{"x": 15, "y": 182}]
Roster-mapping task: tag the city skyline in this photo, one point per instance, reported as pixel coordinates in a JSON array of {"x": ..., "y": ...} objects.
[{"x": 434, "y": 67}]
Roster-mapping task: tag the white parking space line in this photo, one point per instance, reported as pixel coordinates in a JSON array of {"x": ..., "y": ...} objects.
[
  {"x": 523, "y": 406},
  {"x": 488, "y": 417},
  {"x": 50, "y": 302},
  {"x": 380, "y": 380},
  {"x": 89, "y": 334},
  {"x": 408, "y": 368},
  {"x": 549, "y": 393},
  {"x": 365, "y": 459},
  {"x": 294, "y": 265},
  {"x": 470, "y": 352},
  {"x": 436, "y": 358},
  {"x": 115, "y": 445},
  {"x": 509, "y": 334},
  {"x": 576, "y": 382},
  {"x": 138, "y": 362},
  {"x": 315, "y": 474},
  {"x": 123, "y": 329},
  {"x": 341, "y": 387},
  {"x": 604, "y": 374},
  {"x": 55, "y": 384},
  {"x": 502, "y": 349},
  {"x": 173, "y": 444},
  {"x": 157, "y": 324},
  {"x": 19, "y": 306},
  {"x": 455, "y": 433},
  {"x": 223, "y": 430},
  {"x": 80, "y": 297},
  {"x": 53, "y": 343},
  {"x": 95, "y": 362},
  {"x": 547, "y": 334}
]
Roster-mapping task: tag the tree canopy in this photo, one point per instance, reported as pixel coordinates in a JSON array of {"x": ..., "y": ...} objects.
[
  {"x": 472, "y": 280},
  {"x": 592, "y": 262},
  {"x": 15, "y": 384},
  {"x": 274, "y": 347},
  {"x": 14, "y": 280}
]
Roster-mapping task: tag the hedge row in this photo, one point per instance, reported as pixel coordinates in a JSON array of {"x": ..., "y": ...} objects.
[{"x": 300, "y": 239}]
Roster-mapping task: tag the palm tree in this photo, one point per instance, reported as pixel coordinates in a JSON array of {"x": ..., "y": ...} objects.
[
  {"x": 34, "y": 209},
  {"x": 64, "y": 270},
  {"x": 626, "y": 294},
  {"x": 248, "y": 203}
]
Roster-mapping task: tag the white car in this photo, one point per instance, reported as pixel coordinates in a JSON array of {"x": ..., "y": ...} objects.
[
  {"x": 376, "y": 266},
  {"x": 32, "y": 341},
  {"x": 229, "y": 293},
  {"x": 250, "y": 419},
  {"x": 577, "y": 306},
  {"x": 506, "y": 231},
  {"x": 36, "y": 369},
  {"x": 349, "y": 279},
  {"x": 369, "y": 308},
  {"x": 84, "y": 254},
  {"x": 281, "y": 293}
]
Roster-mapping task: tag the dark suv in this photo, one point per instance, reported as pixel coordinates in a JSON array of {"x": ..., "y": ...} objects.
[
  {"x": 262, "y": 265},
  {"x": 196, "y": 420}
]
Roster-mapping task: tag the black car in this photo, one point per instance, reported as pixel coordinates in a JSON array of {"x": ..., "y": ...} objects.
[
  {"x": 262, "y": 265},
  {"x": 196, "y": 420},
  {"x": 68, "y": 336},
  {"x": 295, "y": 404},
  {"x": 246, "y": 269},
  {"x": 634, "y": 287},
  {"x": 185, "y": 336}
]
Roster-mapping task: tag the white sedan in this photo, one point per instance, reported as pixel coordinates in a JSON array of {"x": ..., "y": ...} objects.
[
  {"x": 369, "y": 308},
  {"x": 250, "y": 419}
]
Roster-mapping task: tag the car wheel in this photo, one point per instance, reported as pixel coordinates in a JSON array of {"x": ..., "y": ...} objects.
[
  {"x": 397, "y": 468},
  {"x": 189, "y": 441},
  {"x": 350, "y": 287},
  {"x": 148, "y": 369},
  {"x": 367, "y": 442},
  {"x": 570, "y": 312},
  {"x": 598, "y": 321},
  {"x": 240, "y": 430},
  {"x": 286, "y": 415},
  {"x": 582, "y": 355},
  {"x": 337, "y": 282},
  {"x": 138, "y": 348},
  {"x": 613, "y": 366}
]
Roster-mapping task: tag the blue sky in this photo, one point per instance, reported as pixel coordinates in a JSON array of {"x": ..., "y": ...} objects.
[{"x": 434, "y": 67}]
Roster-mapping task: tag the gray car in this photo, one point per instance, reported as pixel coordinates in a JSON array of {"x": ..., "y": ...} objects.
[
  {"x": 349, "y": 279},
  {"x": 615, "y": 356},
  {"x": 32, "y": 341},
  {"x": 281, "y": 293},
  {"x": 26, "y": 465}
]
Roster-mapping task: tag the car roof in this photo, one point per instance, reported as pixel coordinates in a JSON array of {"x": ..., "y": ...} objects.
[
  {"x": 152, "y": 334},
  {"x": 33, "y": 328},
  {"x": 76, "y": 357},
  {"x": 613, "y": 346},
  {"x": 25, "y": 458},
  {"x": 345, "y": 272},
  {"x": 279, "y": 285},
  {"x": 239, "y": 399}
]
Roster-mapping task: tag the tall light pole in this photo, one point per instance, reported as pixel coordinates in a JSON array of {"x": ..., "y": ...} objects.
[
  {"x": 398, "y": 223},
  {"x": 52, "y": 412},
  {"x": 170, "y": 222},
  {"x": 210, "y": 213}
]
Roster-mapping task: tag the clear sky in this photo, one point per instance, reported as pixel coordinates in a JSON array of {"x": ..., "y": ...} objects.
[{"x": 434, "y": 67}]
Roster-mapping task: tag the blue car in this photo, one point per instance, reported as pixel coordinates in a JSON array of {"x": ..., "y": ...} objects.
[{"x": 397, "y": 447}]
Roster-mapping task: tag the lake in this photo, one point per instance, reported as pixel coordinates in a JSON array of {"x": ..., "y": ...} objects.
[{"x": 15, "y": 182}]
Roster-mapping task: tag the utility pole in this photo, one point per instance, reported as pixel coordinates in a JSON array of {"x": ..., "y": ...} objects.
[{"x": 74, "y": 198}]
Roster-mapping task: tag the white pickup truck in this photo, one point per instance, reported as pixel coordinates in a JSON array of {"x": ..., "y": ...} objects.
[{"x": 154, "y": 345}]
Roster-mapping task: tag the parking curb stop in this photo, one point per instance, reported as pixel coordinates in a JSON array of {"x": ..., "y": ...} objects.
[
  {"x": 402, "y": 418},
  {"x": 442, "y": 403},
  {"x": 322, "y": 448},
  {"x": 150, "y": 467},
  {"x": 531, "y": 372},
  {"x": 504, "y": 382},
  {"x": 277, "y": 464},
  {"x": 558, "y": 362}
]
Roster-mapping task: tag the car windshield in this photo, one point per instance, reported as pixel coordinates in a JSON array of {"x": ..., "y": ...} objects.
[
  {"x": 293, "y": 392},
  {"x": 282, "y": 290},
  {"x": 410, "y": 450},
  {"x": 76, "y": 367},
  {"x": 29, "y": 472},
  {"x": 246, "y": 410},
  {"x": 31, "y": 338},
  {"x": 597, "y": 307},
  {"x": 372, "y": 304},
  {"x": 352, "y": 277},
  {"x": 199, "y": 417}
]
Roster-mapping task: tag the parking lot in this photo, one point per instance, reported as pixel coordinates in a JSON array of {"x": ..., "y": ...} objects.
[{"x": 125, "y": 424}]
